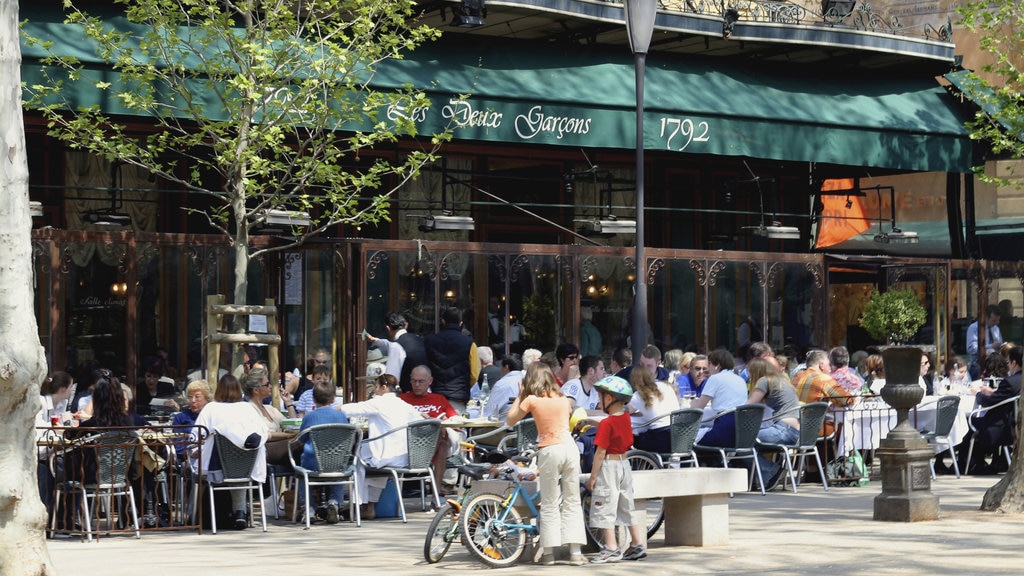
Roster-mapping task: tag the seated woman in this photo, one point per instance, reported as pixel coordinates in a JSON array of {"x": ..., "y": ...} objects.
[
  {"x": 199, "y": 394},
  {"x": 257, "y": 389},
  {"x": 55, "y": 393},
  {"x": 772, "y": 388},
  {"x": 650, "y": 400},
  {"x": 110, "y": 409}
]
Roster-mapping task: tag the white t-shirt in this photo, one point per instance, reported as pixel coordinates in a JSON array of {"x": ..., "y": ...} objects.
[
  {"x": 641, "y": 413},
  {"x": 573, "y": 389},
  {"x": 726, "y": 389}
]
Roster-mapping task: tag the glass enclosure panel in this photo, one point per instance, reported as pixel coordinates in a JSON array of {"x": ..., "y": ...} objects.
[
  {"x": 677, "y": 291},
  {"x": 966, "y": 299},
  {"x": 95, "y": 296},
  {"x": 606, "y": 296},
  {"x": 1008, "y": 279},
  {"x": 734, "y": 294},
  {"x": 795, "y": 305},
  {"x": 539, "y": 299},
  {"x": 455, "y": 284},
  {"x": 308, "y": 294}
]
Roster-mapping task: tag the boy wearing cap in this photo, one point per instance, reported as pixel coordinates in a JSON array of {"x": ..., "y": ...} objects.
[{"x": 610, "y": 482}]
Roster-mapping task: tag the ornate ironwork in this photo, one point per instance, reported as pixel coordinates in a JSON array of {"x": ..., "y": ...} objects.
[
  {"x": 519, "y": 263},
  {"x": 119, "y": 252},
  {"x": 773, "y": 273},
  {"x": 41, "y": 256},
  {"x": 943, "y": 33},
  {"x": 374, "y": 261},
  {"x": 701, "y": 271},
  {"x": 758, "y": 270},
  {"x": 817, "y": 272},
  {"x": 982, "y": 282},
  {"x": 588, "y": 266},
  {"x": 145, "y": 254},
  {"x": 652, "y": 270},
  {"x": 865, "y": 18},
  {"x": 714, "y": 271},
  {"x": 203, "y": 259}
]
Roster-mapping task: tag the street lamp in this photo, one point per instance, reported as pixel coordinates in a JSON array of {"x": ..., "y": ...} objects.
[{"x": 640, "y": 27}]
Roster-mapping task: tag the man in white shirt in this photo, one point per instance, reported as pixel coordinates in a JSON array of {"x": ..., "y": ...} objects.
[
  {"x": 993, "y": 339},
  {"x": 581, "y": 390},
  {"x": 506, "y": 389},
  {"x": 384, "y": 412}
]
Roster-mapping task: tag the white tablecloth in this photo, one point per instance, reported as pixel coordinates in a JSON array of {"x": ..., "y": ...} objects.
[{"x": 866, "y": 423}]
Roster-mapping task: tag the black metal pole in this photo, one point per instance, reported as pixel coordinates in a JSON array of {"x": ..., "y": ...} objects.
[{"x": 639, "y": 332}]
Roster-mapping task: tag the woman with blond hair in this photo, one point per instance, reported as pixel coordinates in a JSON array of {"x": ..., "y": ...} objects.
[
  {"x": 558, "y": 463},
  {"x": 773, "y": 389}
]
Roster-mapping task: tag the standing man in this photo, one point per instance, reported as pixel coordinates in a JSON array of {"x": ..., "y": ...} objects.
[
  {"x": 993, "y": 339},
  {"x": 453, "y": 360},
  {"x": 581, "y": 390},
  {"x": 404, "y": 350}
]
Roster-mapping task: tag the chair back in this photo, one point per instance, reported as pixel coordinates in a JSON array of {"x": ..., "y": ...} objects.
[
  {"x": 946, "y": 409},
  {"x": 812, "y": 418},
  {"x": 334, "y": 446},
  {"x": 684, "y": 423},
  {"x": 236, "y": 463},
  {"x": 748, "y": 424},
  {"x": 526, "y": 434},
  {"x": 421, "y": 439},
  {"x": 115, "y": 455}
]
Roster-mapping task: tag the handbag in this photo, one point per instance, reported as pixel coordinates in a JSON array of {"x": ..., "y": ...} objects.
[{"x": 848, "y": 470}]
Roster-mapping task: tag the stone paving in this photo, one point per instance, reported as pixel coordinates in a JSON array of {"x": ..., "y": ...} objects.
[{"x": 812, "y": 532}]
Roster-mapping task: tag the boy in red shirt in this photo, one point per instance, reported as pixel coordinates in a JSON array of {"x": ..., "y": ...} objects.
[{"x": 611, "y": 482}]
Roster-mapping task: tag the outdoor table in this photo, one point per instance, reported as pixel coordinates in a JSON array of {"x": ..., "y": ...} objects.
[{"x": 867, "y": 422}]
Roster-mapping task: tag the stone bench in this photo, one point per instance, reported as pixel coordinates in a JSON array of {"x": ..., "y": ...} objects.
[{"x": 696, "y": 501}]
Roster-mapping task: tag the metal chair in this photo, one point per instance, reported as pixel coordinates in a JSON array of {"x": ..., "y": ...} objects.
[
  {"x": 946, "y": 410},
  {"x": 335, "y": 447},
  {"x": 276, "y": 472},
  {"x": 747, "y": 423},
  {"x": 523, "y": 437},
  {"x": 684, "y": 424},
  {"x": 421, "y": 441},
  {"x": 236, "y": 464},
  {"x": 114, "y": 454},
  {"x": 974, "y": 431},
  {"x": 812, "y": 417}
]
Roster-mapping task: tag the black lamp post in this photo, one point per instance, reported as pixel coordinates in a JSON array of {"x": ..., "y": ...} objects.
[{"x": 640, "y": 27}]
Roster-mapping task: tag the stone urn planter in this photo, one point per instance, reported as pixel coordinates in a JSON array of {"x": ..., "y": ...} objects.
[{"x": 906, "y": 476}]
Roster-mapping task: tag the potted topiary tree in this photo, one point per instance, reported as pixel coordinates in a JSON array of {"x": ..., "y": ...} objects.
[{"x": 892, "y": 317}]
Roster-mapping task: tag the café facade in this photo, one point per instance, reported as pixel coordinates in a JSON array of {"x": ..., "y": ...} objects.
[{"x": 783, "y": 166}]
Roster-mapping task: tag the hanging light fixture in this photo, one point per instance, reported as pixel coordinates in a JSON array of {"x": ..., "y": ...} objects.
[
  {"x": 469, "y": 14},
  {"x": 895, "y": 235}
]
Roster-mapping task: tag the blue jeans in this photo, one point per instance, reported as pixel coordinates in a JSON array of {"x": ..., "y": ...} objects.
[{"x": 777, "y": 433}]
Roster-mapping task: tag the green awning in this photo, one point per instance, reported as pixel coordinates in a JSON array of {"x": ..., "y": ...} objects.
[
  {"x": 985, "y": 97},
  {"x": 584, "y": 97}
]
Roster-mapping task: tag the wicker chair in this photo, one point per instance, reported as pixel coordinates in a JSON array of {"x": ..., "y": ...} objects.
[
  {"x": 421, "y": 440},
  {"x": 747, "y": 423},
  {"x": 114, "y": 454},
  {"x": 334, "y": 447},
  {"x": 236, "y": 464},
  {"x": 812, "y": 418}
]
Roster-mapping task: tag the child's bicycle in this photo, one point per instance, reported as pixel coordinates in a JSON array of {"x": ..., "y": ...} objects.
[
  {"x": 493, "y": 529},
  {"x": 445, "y": 527}
]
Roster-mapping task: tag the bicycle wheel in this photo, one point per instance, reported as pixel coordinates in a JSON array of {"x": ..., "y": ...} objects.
[
  {"x": 485, "y": 531},
  {"x": 443, "y": 529},
  {"x": 640, "y": 460}
]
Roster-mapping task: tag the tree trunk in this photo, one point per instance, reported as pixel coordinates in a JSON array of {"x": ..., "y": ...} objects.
[
  {"x": 1008, "y": 494},
  {"x": 22, "y": 362}
]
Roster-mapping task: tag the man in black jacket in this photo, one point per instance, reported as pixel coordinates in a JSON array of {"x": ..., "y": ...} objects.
[{"x": 453, "y": 360}]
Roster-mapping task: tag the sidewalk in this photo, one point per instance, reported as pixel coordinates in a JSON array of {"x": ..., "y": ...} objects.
[{"x": 812, "y": 532}]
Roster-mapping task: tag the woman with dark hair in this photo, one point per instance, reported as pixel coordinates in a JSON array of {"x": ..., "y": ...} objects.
[{"x": 229, "y": 389}]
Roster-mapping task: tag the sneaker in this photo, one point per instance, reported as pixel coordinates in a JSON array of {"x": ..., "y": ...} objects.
[
  {"x": 773, "y": 481},
  {"x": 548, "y": 559},
  {"x": 634, "y": 553},
  {"x": 332, "y": 512},
  {"x": 605, "y": 556}
]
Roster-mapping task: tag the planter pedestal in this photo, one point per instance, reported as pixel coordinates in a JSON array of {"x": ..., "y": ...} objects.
[{"x": 904, "y": 454}]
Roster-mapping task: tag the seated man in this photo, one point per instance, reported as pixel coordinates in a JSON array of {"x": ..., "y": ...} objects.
[
  {"x": 243, "y": 427},
  {"x": 433, "y": 405},
  {"x": 384, "y": 412}
]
